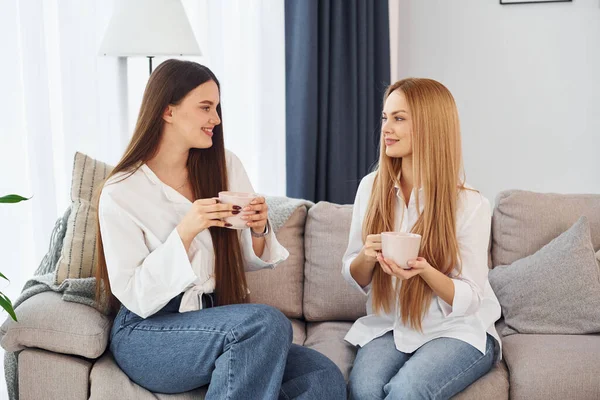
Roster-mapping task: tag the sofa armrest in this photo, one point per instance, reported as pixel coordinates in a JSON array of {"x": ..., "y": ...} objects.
[
  {"x": 50, "y": 323},
  {"x": 45, "y": 375}
]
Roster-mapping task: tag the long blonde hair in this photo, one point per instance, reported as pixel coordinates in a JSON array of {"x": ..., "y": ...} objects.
[{"x": 438, "y": 170}]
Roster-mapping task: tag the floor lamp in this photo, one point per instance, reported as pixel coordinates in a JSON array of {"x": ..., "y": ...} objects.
[{"x": 146, "y": 28}]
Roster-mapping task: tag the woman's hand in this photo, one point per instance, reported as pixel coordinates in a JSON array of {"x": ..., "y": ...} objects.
[
  {"x": 372, "y": 247},
  {"x": 256, "y": 214},
  {"x": 417, "y": 266},
  {"x": 204, "y": 214}
]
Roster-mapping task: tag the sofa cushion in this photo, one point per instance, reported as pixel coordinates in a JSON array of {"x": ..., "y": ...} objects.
[
  {"x": 50, "y": 323},
  {"x": 283, "y": 286},
  {"x": 556, "y": 290},
  {"x": 553, "y": 366},
  {"x": 78, "y": 255},
  {"x": 108, "y": 381},
  {"x": 523, "y": 222},
  {"x": 298, "y": 331},
  {"x": 47, "y": 375},
  {"x": 328, "y": 339},
  {"x": 493, "y": 385},
  {"x": 327, "y": 296}
]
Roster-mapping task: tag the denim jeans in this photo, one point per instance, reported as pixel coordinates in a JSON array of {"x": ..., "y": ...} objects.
[
  {"x": 439, "y": 369},
  {"x": 240, "y": 351}
]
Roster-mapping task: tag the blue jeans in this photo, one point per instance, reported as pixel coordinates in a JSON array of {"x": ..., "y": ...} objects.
[
  {"x": 240, "y": 351},
  {"x": 439, "y": 369}
]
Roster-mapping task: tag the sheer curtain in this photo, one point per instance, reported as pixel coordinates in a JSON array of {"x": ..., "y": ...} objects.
[{"x": 58, "y": 96}]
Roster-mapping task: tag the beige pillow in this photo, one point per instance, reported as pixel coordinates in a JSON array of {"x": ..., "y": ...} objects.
[
  {"x": 78, "y": 255},
  {"x": 327, "y": 295},
  {"x": 283, "y": 286},
  {"x": 524, "y": 222}
]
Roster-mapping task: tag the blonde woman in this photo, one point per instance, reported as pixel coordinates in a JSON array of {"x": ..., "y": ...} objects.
[{"x": 429, "y": 330}]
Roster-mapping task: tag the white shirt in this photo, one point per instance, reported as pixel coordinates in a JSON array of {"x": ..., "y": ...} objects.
[
  {"x": 475, "y": 307},
  {"x": 146, "y": 261}
]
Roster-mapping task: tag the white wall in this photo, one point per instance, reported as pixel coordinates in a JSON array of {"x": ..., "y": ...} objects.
[{"x": 526, "y": 79}]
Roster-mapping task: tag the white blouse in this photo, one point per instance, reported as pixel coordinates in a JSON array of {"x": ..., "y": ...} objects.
[
  {"x": 146, "y": 261},
  {"x": 475, "y": 307}
]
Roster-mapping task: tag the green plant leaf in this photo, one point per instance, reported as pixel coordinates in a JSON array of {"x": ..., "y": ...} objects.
[
  {"x": 7, "y": 305},
  {"x": 13, "y": 198},
  {"x": 2, "y": 276}
]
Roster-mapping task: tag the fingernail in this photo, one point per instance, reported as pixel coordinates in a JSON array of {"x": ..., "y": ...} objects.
[
  {"x": 227, "y": 224},
  {"x": 244, "y": 218},
  {"x": 237, "y": 207},
  {"x": 253, "y": 202},
  {"x": 246, "y": 208},
  {"x": 235, "y": 212}
]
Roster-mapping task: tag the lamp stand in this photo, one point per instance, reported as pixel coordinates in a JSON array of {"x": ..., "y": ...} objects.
[{"x": 150, "y": 64}]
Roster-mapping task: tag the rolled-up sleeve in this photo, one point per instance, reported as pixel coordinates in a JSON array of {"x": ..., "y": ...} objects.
[
  {"x": 143, "y": 281},
  {"x": 274, "y": 253},
  {"x": 355, "y": 241},
  {"x": 471, "y": 276}
]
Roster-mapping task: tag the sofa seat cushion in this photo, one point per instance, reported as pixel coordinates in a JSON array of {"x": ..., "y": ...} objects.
[
  {"x": 298, "y": 332},
  {"x": 493, "y": 385},
  {"x": 328, "y": 338},
  {"x": 50, "y": 323},
  {"x": 108, "y": 381},
  {"x": 553, "y": 366}
]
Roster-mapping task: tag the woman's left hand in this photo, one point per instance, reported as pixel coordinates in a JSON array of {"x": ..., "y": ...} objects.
[
  {"x": 417, "y": 266},
  {"x": 256, "y": 214}
]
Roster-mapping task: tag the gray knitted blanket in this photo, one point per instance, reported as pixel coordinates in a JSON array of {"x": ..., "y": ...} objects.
[{"x": 83, "y": 290}]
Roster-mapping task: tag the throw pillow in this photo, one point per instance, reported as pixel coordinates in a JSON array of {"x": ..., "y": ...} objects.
[
  {"x": 554, "y": 291},
  {"x": 78, "y": 255}
]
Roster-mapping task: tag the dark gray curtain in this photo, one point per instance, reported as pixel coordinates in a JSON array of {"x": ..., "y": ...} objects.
[{"x": 337, "y": 68}]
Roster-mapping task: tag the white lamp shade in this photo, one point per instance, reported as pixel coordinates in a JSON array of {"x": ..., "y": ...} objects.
[{"x": 149, "y": 28}]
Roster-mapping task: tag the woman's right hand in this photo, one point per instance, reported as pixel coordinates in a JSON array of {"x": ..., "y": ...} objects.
[
  {"x": 372, "y": 247},
  {"x": 203, "y": 214}
]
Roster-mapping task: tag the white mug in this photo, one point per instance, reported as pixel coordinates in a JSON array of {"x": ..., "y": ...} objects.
[
  {"x": 400, "y": 247},
  {"x": 238, "y": 199}
]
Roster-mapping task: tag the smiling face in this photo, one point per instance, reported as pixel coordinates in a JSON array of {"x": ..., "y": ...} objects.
[
  {"x": 396, "y": 126},
  {"x": 193, "y": 119}
]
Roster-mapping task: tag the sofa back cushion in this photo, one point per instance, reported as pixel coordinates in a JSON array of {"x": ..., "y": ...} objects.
[
  {"x": 282, "y": 287},
  {"x": 327, "y": 296},
  {"x": 523, "y": 222}
]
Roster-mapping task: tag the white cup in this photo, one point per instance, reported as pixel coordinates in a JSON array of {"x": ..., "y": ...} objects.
[
  {"x": 400, "y": 247},
  {"x": 238, "y": 199}
]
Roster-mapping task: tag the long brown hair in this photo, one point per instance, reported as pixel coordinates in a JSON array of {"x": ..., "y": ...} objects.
[
  {"x": 169, "y": 84},
  {"x": 438, "y": 170}
]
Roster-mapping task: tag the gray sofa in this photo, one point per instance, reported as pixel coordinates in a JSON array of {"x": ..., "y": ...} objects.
[{"x": 63, "y": 344}]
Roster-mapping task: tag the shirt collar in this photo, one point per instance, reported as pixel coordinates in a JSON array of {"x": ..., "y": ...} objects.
[
  {"x": 150, "y": 174},
  {"x": 170, "y": 193}
]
